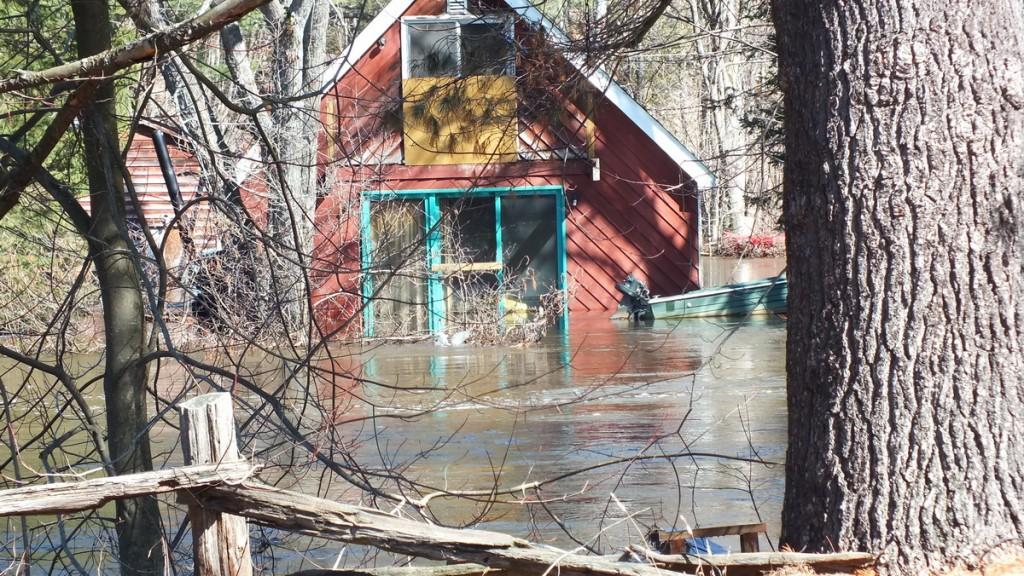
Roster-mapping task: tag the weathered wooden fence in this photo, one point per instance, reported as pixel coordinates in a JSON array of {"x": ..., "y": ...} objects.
[{"x": 221, "y": 493}]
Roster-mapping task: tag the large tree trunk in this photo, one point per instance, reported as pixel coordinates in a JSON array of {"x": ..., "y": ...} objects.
[
  {"x": 903, "y": 212},
  {"x": 124, "y": 377}
]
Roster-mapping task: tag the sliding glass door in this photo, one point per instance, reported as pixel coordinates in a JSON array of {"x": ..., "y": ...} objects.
[
  {"x": 447, "y": 260},
  {"x": 396, "y": 276}
]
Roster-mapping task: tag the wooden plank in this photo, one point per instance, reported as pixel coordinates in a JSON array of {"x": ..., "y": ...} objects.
[
  {"x": 710, "y": 531},
  {"x": 758, "y": 562},
  {"x": 220, "y": 542},
  {"x": 65, "y": 497},
  {"x": 674, "y": 542},
  {"x": 454, "y": 268},
  {"x": 346, "y": 523},
  {"x": 400, "y": 176},
  {"x": 749, "y": 542}
]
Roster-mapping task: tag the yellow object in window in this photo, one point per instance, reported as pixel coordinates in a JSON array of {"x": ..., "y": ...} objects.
[{"x": 470, "y": 120}]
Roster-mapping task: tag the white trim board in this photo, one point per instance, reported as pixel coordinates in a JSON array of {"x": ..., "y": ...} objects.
[{"x": 598, "y": 78}]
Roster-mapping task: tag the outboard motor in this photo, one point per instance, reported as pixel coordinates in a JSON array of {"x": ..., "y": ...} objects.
[{"x": 639, "y": 298}]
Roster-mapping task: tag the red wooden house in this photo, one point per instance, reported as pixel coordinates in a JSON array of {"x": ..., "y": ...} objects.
[
  {"x": 469, "y": 146},
  {"x": 150, "y": 185}
]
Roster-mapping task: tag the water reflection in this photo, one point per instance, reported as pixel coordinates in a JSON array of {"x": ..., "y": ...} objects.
[
  {"x": 472, "y": 417},
  {"x": 718, "y": 271}
]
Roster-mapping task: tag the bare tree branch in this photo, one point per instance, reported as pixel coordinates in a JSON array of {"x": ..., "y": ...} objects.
[
  {"x": 26, "y": 170},
  {"x": 108, "y": 62}
]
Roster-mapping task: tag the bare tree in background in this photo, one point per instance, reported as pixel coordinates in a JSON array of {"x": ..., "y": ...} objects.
[{"x": 706, "y": 70}]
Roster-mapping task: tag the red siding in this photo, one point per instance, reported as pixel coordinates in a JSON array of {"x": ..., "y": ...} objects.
[{"x": 151, "y": 189}]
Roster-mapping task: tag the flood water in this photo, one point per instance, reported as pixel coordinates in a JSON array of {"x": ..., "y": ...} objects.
[
  {"x": 603, "y": 392},
  {"x": 642, "y": 424},
  {"x": 617, "y": 405}
]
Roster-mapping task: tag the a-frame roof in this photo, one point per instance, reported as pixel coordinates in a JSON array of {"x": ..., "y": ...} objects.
[{"x": 598, "y": 78}]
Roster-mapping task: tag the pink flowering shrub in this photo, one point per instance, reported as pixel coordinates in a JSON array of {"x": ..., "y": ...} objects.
[{"x": 753, "y": 246}]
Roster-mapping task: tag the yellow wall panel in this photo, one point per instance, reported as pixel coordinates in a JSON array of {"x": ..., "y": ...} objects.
[{"x": 468, "y": 120}]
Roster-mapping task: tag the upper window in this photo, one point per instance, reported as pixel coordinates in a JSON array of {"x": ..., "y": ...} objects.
[{"x": 457, "y": 47}]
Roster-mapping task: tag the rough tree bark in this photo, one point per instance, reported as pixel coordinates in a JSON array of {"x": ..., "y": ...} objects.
[
  {"x": 124, "y": 376},
  {"x": 904, "y": 220}
]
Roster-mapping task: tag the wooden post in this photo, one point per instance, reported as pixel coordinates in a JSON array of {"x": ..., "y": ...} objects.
[
  {"x": 220, "y": 542},
  {"x": 749, "y": 542}
]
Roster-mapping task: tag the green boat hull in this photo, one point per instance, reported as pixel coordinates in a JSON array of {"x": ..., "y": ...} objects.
[{"x": 749, "y": 298}]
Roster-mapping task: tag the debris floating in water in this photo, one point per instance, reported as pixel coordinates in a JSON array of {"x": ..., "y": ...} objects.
[{"x": 458, "y": 339}]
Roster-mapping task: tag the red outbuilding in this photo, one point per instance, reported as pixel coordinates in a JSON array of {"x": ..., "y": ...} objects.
[{"x": 472, "y": 148}]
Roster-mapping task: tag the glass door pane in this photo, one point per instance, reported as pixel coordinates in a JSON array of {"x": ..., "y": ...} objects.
[
  {"x": 469, "y": 260},
  {"x": 398, "y": 268},
  {"x": 529, "y": 247}
]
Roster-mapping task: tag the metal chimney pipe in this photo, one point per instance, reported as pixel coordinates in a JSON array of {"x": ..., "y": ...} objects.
[
  {"x": 171, "y": 180},
  {"x": 167, "y": 168}
]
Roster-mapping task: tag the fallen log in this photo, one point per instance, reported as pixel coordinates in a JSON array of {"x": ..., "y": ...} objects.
[
  {"x": 756, "y": 563},
  {"x": 65, "y": 497},
  {"x": 335, "y": 521}
]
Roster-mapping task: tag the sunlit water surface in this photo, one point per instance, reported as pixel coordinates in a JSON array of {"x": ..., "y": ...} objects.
[{"x": 630, "y": 418}]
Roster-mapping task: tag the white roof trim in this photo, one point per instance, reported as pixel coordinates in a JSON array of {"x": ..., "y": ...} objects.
[
  {"x": 365, "y": 40},
  {"x": 683, "y": 156},
  {"x": 600, "y": 80}
]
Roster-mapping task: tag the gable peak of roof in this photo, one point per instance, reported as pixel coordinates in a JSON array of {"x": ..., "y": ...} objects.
[{"x": 686, "y": 159}]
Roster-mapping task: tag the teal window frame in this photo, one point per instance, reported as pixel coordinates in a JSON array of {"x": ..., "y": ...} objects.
[{"x": 432, "y": 232}]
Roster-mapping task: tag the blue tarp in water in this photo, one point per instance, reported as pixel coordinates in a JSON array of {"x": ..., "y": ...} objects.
[{"x": 704, "y": 546}]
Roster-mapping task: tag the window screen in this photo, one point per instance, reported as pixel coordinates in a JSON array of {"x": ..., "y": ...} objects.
[
  {"x": 450, "y": 49},
  {"x": 468, "y": 230},
  {"x": 433, "y": 49}
]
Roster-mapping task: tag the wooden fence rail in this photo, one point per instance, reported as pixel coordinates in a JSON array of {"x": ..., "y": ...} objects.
[
  {"x": 336, "y": 521},
  {"x": 755, "y": 563},
  {"x": 64, "y": 497},
  {"x": 218, "y": 488}
]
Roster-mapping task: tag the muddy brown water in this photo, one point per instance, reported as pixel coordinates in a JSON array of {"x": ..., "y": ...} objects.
[
  {"x": 580, "y": 401},
  {"x": 618, "y": 404}
]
